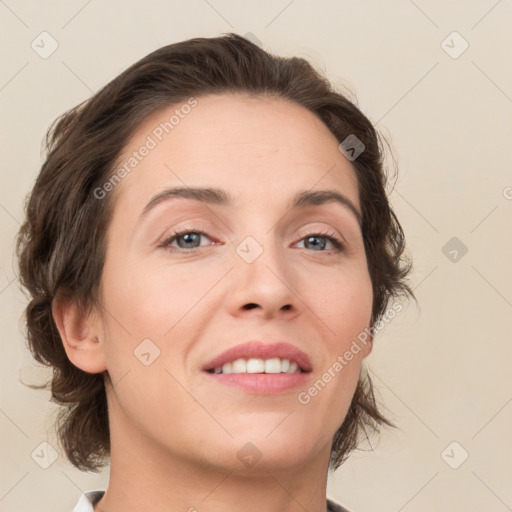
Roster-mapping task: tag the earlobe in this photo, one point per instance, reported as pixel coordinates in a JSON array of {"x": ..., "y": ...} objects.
[{"x": 80, "y": 332}]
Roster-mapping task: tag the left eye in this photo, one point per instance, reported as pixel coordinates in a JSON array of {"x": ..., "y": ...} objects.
[{"x": 320, "y": 240}]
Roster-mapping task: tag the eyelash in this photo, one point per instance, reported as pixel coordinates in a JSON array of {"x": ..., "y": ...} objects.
[{"x": 338, "y": 245}]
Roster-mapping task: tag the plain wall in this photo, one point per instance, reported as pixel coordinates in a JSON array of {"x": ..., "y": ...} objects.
[{"x": 442, "y": 370}]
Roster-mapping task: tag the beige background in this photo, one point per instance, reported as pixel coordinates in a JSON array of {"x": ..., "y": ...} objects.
[{"x": 443, "y": 370}]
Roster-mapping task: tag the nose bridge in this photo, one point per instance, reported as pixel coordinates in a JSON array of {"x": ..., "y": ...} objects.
[
  {"x": 259, "y": 251},
  {"x": 259, "y": 243}
]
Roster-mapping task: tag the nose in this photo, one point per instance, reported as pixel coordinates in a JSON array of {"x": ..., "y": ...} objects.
[{"x": 262, "y": 282}]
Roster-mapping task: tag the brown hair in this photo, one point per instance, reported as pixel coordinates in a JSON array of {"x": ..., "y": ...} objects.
[{"x": 61, "y": 245}]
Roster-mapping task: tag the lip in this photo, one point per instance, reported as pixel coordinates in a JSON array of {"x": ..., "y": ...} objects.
[
  {"x": 261, "y": 350},
  {"x": 262, "y": 383}
]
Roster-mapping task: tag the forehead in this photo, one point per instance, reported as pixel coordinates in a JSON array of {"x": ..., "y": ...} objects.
[{"x": 256, "y": 146}]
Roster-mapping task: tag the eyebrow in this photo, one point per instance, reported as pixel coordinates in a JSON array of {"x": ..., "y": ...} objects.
[{"x": 219, "y": 197}]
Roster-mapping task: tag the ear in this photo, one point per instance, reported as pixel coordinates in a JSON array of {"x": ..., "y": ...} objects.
[
  {"x": 81, "y": 334},
  {"x": 367, "y": 346},
  {"x": 368, "y": 343}
]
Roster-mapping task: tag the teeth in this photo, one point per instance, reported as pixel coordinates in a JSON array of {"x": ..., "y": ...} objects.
[
  {"x": 256, "y": 366},
  {"x": 274, "y": 365},
  {"x": 239, "y": 366}
]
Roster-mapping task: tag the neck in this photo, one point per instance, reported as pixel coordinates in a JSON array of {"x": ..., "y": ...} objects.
[{"x": 145, "y": 476}]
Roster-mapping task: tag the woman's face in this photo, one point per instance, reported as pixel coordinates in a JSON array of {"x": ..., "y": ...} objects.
[{"x": 263, "y": 270}]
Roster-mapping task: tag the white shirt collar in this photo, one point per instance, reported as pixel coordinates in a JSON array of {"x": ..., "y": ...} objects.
[{"x": 87, "y": 501}]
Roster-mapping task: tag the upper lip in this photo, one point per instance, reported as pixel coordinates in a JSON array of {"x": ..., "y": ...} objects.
[{"x": 261, "y": 350}]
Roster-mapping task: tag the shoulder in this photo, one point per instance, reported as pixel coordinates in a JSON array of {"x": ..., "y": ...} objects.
[{"x": 332, "y": 506}]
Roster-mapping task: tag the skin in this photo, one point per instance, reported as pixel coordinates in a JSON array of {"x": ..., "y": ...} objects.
[{"x": 175, "y": 435}]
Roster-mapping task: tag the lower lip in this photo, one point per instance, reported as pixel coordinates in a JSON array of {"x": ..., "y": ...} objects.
[{"x": 262, "y": 383}]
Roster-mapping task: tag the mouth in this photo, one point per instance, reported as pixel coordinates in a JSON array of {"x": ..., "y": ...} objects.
[
  {"x": 273, "y": 366},
  {"x": 260, "y": 357},
  {"x": 261, "y": 368}
]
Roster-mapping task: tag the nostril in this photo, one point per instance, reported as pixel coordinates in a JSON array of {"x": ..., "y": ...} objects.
[{"x": 252, "y": 305}]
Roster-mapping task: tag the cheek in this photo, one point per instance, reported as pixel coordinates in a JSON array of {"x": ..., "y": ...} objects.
[
  {"x": 151, "y": 297},
  {"x": 161, "y": 303},
  {"x": 342, "y": 300},
  {"x": 158, "y": 297}
]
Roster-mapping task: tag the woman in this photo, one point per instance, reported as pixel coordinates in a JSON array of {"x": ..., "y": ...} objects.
[{"x": 210, "y": 251}]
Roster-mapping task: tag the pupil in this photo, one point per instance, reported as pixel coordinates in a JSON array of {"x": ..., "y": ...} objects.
[
  {"x": 189, "y": 237},
  {"x": 322, "y": 244}
]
